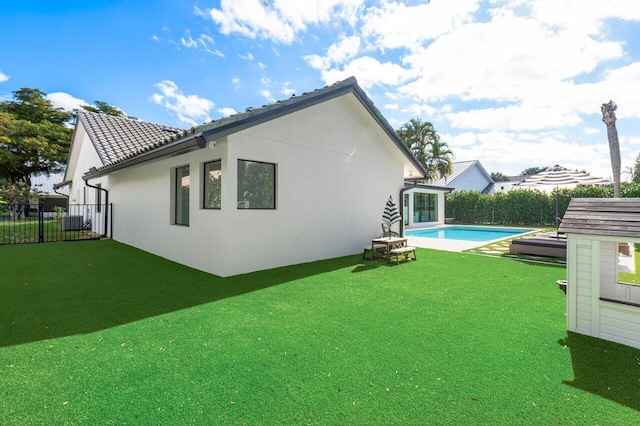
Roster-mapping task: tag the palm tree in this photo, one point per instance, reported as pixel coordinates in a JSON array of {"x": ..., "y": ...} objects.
[
  {"x": 423, "y": 140},
  {"x": 440, "y": 158},
  {"x": 609, "y": 118}
]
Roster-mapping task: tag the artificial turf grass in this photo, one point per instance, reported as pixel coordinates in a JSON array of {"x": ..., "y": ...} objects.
[{"x": 450, "y": 338}]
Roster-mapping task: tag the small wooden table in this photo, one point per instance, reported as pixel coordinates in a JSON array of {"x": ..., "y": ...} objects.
[{"x": 388, "y": 243}]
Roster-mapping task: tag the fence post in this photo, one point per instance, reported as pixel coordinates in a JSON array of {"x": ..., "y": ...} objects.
[{"x": 40, "y": 222}]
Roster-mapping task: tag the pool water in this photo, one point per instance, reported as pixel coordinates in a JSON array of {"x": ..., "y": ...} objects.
[{"x": 467, "y": 233}]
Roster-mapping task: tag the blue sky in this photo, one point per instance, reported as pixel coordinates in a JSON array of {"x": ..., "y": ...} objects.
[{"x": 514, "y": 84}]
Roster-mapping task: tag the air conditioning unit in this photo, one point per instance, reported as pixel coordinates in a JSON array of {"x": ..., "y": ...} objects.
[{"x": 72, "y": 223}]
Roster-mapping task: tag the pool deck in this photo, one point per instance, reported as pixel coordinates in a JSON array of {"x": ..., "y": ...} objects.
[{"x": 446, "y": 245}]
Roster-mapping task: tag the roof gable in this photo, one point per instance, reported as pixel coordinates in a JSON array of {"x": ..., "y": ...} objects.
[
  {"x": 602, "y": 216},
  {"x": 459, "y": 168},
  {"x": 115, "y": 138},
  {"x": 183, "y": 141}
]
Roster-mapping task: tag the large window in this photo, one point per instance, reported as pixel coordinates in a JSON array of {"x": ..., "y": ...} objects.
[
  {"x": 425, "y": 207},
  {"x": 212, "y": 185},
  {"x": 256, "y": 185},
  {"x": 182, "y": 182}
]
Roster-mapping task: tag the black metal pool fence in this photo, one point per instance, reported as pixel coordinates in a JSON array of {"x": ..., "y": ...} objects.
[
  {"x": 541, "y": 217},
  {"x": 36, "y": 224}
]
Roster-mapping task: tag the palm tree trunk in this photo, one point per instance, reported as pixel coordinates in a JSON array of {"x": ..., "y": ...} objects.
[{"x": 609, "y": 118}]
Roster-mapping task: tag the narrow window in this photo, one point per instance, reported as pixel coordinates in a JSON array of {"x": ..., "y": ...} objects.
[
  {"x": 212, "y": 185},
  {"x": 256, "y": 185},
  {"x": 182, "y": 182}
]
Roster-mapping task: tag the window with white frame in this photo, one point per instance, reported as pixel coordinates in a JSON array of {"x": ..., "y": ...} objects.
[{"x": 256, "y": 185}]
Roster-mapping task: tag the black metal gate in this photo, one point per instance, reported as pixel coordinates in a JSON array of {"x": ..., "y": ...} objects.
[{"x": 37, "y": 224}]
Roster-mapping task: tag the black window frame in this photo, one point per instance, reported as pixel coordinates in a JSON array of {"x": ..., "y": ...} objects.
[
  {"x": 275, "y": 185},
  {"x": 205, "y": 182}
]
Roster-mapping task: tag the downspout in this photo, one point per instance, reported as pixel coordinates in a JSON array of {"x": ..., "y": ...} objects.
[{"x": 106, "y": 206}]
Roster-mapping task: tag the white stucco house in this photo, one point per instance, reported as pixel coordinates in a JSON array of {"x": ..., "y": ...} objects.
[
  {"x": 295, "y": 181},
  {"x": 599, "y": 303}
]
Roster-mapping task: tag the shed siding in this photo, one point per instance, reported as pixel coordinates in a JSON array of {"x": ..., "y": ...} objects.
[
  {"x": 620, "y": 323},
  {"x": 583, "y": 290}
]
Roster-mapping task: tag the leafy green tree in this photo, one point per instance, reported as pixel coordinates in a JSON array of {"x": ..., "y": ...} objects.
[
  {"x": 34, "y": 136},
  {"x": 423, "y": 140},
  {"x": 100, "y": 107},
  {"x": 533, "y": 171},
  {"x": 499, "y": 177},
  {"x": 635, "y": 171},
  {"x": 16, "y": 197}
]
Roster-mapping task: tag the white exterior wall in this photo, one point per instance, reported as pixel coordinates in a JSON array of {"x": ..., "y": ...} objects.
[
  {"x": 473, "y": 179},
  {"x": 440, "y": 207},
  {"x": 85, "y": 156},
  {"x": 335, "y": 169},
  {"x": 592, "y": 273}
]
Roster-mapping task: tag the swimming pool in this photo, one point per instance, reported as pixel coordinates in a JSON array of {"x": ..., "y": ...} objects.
[{"x": 467, "y": 233}]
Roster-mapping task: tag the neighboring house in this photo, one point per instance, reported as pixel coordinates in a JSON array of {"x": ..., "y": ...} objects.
[
  {"x": 599, "y": 302},
  {"x": 466, "y": 176},
  {"x": 294, "y": 181},
  {"x": 44, "y": 184}
]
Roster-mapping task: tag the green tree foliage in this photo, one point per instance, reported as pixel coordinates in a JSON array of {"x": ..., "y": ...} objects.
[
  {"x": 635, "y": 171},
  {"x": 34, "y": 137},
  {"x": 533, "y": 171},
  {"x": 499, "y": 177},
  {"x": 16, "y": 197},
  {"x": 423, "y": 140},
  {"x": 100, "y": 107}
]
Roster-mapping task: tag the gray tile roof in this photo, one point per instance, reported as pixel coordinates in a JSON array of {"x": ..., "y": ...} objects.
[{"x": 116, "y": 138}]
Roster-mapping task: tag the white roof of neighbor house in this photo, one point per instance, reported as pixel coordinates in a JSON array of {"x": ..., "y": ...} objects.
[
  {"x": 44, "y": 183},
  {"x": 561, "y": 178},
  {"x": 457, "y": 169}
]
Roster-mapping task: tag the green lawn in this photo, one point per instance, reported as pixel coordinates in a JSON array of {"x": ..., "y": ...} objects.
[{"x": 96, "y": 332}]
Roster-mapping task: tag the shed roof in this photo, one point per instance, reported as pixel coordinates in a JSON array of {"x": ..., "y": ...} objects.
[{"x": 618, "y": 217}]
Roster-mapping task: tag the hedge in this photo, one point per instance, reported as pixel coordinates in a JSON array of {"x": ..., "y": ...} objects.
[{"x": 524, "y": 206}]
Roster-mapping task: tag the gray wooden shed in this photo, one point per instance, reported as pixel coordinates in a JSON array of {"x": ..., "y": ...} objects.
[{"x": 597, "y": 304}]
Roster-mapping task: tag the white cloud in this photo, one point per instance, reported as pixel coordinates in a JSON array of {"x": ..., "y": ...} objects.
[
  {"x": 248, "y": 56},
  {"x": 3, "y": 77},
  {"x": 190, "y": 109},
  {"x": 65, "y": 101},
  {"x": 369, "y": 73},
  {"x": 227, "y": 111},
  {"x": 280, "y": 21},
  {"x": 203, "y": 41},
  {"x": 265, "y": 93},
  {"x": 591, "y": 131},
  {"x": 261, "y": 65},
  {"x": 286, "y": 90}
]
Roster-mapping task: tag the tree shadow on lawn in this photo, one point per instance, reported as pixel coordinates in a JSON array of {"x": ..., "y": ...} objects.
[
  {"x": 604, "y": 368},
  {"x": 62, "y": 289}
]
